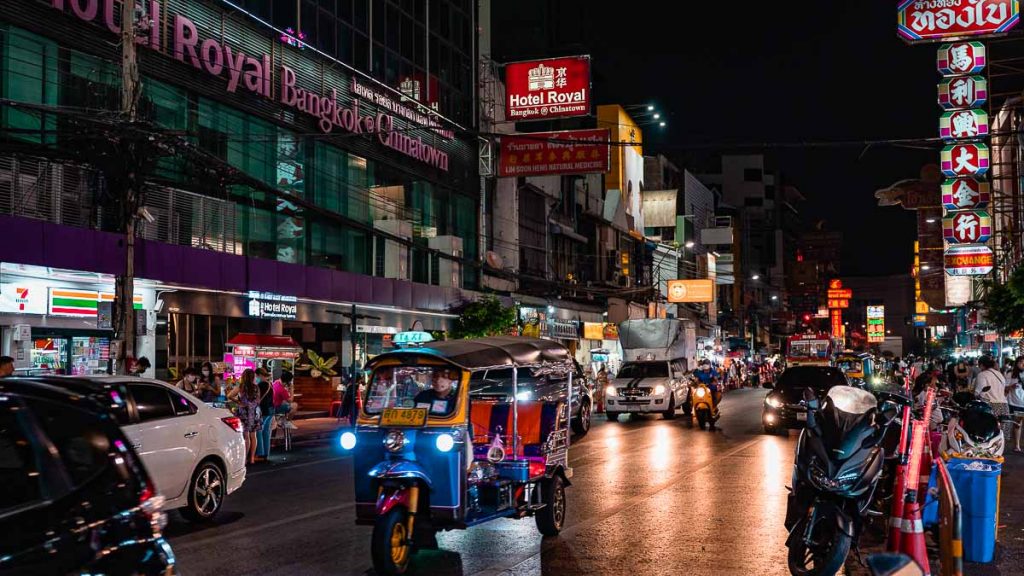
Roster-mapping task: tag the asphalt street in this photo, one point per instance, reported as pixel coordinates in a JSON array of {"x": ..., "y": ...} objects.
[{"x": 649, "y": 496}]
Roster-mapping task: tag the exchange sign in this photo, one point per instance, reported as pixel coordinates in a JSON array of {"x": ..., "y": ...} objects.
[
  {"x": 959, "y": 92},
  {"x": 567, "y": 152},
  {"x": 930, "y": 20},
  {"x": 551, "y": 88},
  {"x": 965, "y": 194},
  {"x": 967, "y": 227},
  {"x": 963, "y": 125},
  {"x": 961, "y": 58},
  {"x": 969, "y": 159},
  {"x": 976, "y": 260}
]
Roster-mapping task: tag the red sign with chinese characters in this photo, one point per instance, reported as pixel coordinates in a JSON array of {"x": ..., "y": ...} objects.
[
  {"x": 924, "y": 20},
  {"x": 967, "y": 227},
  {"x": 837, "y": 322},
  {"x": 568, "y": 152},
  {"x": 551, "y": 88}
]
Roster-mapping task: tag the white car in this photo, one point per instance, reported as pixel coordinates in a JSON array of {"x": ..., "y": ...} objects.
[
  {"x": 648, "y": 387},
  {"x": 194, "y": 452}
]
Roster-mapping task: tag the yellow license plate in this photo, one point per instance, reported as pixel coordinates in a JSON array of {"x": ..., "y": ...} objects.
[{"x": 403, "y": 417}]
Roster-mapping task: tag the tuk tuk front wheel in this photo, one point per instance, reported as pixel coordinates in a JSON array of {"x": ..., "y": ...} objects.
[
  {"x": 390, "y": 546},
  {"x": 551, "y": 517}
]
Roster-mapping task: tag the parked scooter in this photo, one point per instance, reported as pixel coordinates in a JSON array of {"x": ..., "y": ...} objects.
[
  {"x": 839, "y": 460},
  {"x": 973, "y": 431}
]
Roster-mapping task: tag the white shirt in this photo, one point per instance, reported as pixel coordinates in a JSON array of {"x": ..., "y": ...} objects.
[{"x": 996, "y": 384}]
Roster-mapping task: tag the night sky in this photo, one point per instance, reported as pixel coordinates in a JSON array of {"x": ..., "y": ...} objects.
[{"x": 736, "y": 74}]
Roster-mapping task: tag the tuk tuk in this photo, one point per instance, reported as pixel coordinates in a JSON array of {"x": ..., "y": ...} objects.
[
  {"x": 859, "y": 368},
  {"x": 428, "y": 457}
]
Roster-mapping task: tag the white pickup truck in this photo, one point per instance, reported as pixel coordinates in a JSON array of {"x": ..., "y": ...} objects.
[{"x": 657, "y": 356}]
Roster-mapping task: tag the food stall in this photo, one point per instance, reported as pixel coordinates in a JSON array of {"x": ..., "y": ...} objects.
[{"x": 253, "y": 350}]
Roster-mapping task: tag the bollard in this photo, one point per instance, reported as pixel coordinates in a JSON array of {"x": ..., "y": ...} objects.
[
  {"x": 912, "y": 528},
  {"x": 899, "y": 488}
]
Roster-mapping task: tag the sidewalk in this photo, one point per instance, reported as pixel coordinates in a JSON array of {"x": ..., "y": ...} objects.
[{"x": 314, "y": 429}]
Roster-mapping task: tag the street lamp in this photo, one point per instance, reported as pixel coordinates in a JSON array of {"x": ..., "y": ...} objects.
[
  {"x": 930, "y": 220},
  {"x": 689, "y": 244},
  {"x": 755, "y": 277},
  {"x": 774, "y": 297}
]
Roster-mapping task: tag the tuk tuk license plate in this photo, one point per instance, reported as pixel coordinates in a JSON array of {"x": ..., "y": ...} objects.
[{"x": 403, "y": 417}]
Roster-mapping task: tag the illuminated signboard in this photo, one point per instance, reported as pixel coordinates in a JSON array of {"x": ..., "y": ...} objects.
[
  {"x": 967, "y": 227},
  {"x": 965, "y": 194},
  {"x": 542, "y": 89},
  {"x": 270, "y": 305},
  {"x": 968, "y": 159},
  {"x": 969, "y": 260},
  {"x": 932, "y": 20},
  {"x": 567, "y": 152},
  {"x": 691, "y": 290},
  {"x": 963, "y": 125},
  {"x": 960, "y": 92},
  {"x": 876, "y": 324}
]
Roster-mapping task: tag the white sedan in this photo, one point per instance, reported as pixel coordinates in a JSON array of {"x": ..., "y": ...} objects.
[{"x": 194, "y": 452}]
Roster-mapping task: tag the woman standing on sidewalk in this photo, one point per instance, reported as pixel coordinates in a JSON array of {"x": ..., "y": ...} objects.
[
  {"x": 248, "y": 397},
  {"x": 1015, "y": 398},
  {"x": 266, "y": 412}
]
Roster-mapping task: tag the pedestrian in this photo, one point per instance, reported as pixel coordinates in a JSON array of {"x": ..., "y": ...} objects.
[
  {"x": 1015, "y": 399},
  {"x": 266, "y": 414},
  {"x": 283, "y": 398},
  {"x": 140, "y": 367},
  {"x": 248, "y": 397},
  {"x": 190, "y": 382},
  {"x": 210, "y": 383},
  {"x": 6, "y": 366},
  {"x": 990, "y": 386}
]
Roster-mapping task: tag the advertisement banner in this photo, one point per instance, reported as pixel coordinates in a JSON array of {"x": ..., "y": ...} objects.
[
  {"x": 933, "y": 20},
  {"x": 691, "y": 291},
  {"x": 567, "y": 152},
  {"x": 551, "y": 88},
  {"x": 968, "y": 260}
]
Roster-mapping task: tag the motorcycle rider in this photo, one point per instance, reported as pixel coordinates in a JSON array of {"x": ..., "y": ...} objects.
[{"x": 707, "y": 375}]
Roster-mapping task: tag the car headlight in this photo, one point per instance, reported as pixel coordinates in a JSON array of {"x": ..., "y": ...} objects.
[
  {"x": 701, "y": 392},
  {"x": 445, "y": 442},
  {"x": 774, "y": 402},
  {"x": 659, "y": 389},
  {"x": 609, "y": 391},
  {"x": 394, "y": 441},
  {"x": 876, "y": 381},
  {"x": 348, "y": 440},
  {"x": 523, "y": 396}
]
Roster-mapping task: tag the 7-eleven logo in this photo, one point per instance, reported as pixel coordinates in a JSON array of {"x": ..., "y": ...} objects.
[{"x": 21, "y": 297}]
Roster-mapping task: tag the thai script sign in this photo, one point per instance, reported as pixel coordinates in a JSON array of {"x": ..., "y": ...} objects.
[
  {"x": 550, "y": 88},
  {"x": 967, "y": 227},
  {"x": 961, "y": 58},
  {"x": 876, "y": 324},
  {"x": 959, "y": 92},
  {"x": 964, "y": 160},
  {"x": 973, "y": 260},
  {"x": 700, "y": 290},
  {"x": 965, "y": 194},
  {"x": 963, "y": 125},
  {"x": 930, "y": 20},
  {"x": 568, "y": 152}
]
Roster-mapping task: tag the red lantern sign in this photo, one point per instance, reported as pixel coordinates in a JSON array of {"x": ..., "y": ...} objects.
[{"x": 944, "y": 19}]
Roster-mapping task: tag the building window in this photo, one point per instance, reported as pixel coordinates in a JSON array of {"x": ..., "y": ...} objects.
[{"x": 752, "y": 175}]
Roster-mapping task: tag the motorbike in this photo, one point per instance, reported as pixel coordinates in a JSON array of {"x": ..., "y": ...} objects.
[
  {"x": 973, "y": 431},
  {"x": 839, "y": 460},
  {"x": 702, "y": 403}
]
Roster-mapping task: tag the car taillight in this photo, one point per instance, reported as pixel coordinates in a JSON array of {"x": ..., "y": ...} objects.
[
  {"x": 147, "y": 493},
  {"x": 233, "y": 422},
  {"x": 151, "y": 503}
]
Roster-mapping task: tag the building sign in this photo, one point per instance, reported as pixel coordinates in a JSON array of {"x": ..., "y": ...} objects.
[
  {"x": 963, "y": 125},
  {"x": 551, "y": 88},
  {"x": 968, "y": 159},
  {"x": 611, "y": 331},
  {"x": 960, "y": 92},
  {"x": 969, "y": 260},
  {"x": 81, "y": 303},
  {"x": 967, "y": 227},
  {"x": 410, "y": 339},
  {"x": 563, "y": 329},
  {"x": 958, "y": 292},
  {"x": 931, "y": 20},
  {"x": 837, "y": 322},
  {"x": 961, "y": 58},
  {"x": 367, "y": 329},
  {"x": 211, "y": 53},
  {"x": 876, "y": 324},
  {"x": 965, "y": 193},
  {"x": 22, "y": 298},
  {"x": 270, "y": 305},
  {"x": 593, "y": 331},
  {"x": 567, "y": 152},
  {"x": 702, "y": 290},
  {"x": 838, "y": 303}
]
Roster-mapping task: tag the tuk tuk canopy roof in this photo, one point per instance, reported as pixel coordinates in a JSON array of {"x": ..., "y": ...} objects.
[{"x": 492, "y": 352}]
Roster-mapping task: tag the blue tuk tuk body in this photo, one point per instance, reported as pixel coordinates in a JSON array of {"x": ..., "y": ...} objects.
[{"x": 427, "y": 457}]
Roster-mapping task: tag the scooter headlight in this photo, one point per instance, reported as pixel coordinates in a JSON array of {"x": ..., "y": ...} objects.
[
  {"x": 659, "y": 389},
  {"x": 841, "y": 483},
  {"x": 394, "y": 441},
  {"x": 701, "y": 392}
]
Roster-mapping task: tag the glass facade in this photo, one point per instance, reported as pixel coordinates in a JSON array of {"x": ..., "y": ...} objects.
[{"x": 348, "y": 192}]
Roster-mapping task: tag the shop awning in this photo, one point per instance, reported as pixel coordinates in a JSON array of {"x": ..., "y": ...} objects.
[{"x": 264, "y": 341}]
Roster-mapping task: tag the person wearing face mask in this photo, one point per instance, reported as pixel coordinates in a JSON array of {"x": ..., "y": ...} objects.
[
  {"x": 190, "y": 382},
  {"x": 211, "y": 383}
]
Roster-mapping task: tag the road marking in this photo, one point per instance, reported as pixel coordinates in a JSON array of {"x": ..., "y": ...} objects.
[
  {"x": 291, "y": 466},
  {"x": 596, "y": 519},
  {"x": 260, "y": 529}
]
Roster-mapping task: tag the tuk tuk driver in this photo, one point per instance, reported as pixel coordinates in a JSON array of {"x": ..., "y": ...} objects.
[{"x": 439, "y": 399}]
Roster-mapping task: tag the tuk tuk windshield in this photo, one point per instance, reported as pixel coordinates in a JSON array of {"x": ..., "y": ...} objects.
[
  {"x": 432, "y": 387},
  {"x": 850, "y": 365}
]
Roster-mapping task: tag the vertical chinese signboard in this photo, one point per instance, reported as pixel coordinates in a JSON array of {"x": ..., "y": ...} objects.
[
  {"x": 838, "y": 299},
  {"x": 876, "y": 324}
]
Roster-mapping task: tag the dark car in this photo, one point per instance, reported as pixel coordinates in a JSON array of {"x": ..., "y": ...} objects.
[
  {"x": 783, "y": 408},
  {"x": 496, "y": 385},
  {"x": 75, "y": 496}
]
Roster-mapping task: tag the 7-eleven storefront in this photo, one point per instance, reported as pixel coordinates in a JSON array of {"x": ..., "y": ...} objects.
[{"x": 60, "y": 321}]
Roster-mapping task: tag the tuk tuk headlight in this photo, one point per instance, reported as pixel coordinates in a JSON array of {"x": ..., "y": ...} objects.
[
  {"x": 610, "y": 391},
  {"x": 659, "y": 389},
  {"x": 394, "y": 441},
  {"x": 348, "y": 440},
  {"x": 445, "y": 442}
]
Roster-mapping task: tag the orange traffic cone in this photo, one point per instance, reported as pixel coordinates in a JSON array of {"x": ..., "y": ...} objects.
[{"x": 912, "y": 544}]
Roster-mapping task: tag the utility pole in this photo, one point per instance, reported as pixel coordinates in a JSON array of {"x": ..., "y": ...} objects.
[{"x": 124, "y": 300}]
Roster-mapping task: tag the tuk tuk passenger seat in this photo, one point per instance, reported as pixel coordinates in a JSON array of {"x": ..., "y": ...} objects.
[{"x": 536, "y": 421}]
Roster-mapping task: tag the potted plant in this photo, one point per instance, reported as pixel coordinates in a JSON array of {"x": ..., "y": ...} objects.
[{"x": 315, "y": 388}]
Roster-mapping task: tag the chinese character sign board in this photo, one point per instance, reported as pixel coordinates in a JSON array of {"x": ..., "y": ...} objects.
[
  {"x": 932, "y": 20},
  {"x": 961, "y": 58},
  {"x": 567, "y": 152},
  {"x": 967, "y": 227},
  {"x": 963, "y": 125},
  {"x": 960, "y": 92},
  {"x": 876, "y": 324},
  {"x": 550, "y": 88},
  {"x": 965, "y": 194},
  {"x": 968, "y": 159}
]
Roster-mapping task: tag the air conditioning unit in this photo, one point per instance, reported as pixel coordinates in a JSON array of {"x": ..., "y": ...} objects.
[
  {"x": 390, "y": 258},
  {"x": 443, "y": 271}
]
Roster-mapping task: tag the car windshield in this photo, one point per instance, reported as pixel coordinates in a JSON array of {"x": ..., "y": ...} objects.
[
  {"x": 644, "y": 370},
  {"x": 809, "y": 349},
  {"x": 850, "y": 365},
  {"x": 432, "y": 387}
]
